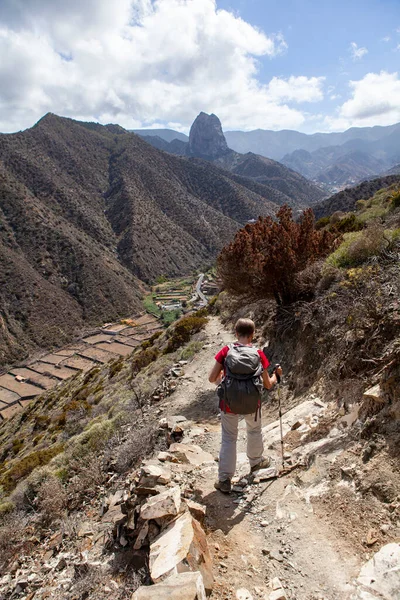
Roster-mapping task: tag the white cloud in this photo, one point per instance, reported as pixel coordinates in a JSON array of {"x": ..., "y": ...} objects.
[
  {"x": 356, "y": 52},
  {"x": 141, "y": 62},
  {"x": 374, "y": 101},
  {"x": 387, "y": 38},
  {"x": 296, "y": 89}
]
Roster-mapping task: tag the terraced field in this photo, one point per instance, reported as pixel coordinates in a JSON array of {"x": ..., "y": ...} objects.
[{"x": 23, "y": 383}]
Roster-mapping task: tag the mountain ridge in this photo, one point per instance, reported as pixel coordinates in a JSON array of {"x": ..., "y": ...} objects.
[{"x": 87, "y": 213}]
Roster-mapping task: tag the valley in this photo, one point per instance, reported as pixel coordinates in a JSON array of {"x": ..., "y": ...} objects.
[{"x": 90, "y": 215}]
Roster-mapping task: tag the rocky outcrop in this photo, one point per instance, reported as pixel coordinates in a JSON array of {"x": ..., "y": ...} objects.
[
  {"x": 206, "y": 139},
  {"x": 181, "y": 547}
]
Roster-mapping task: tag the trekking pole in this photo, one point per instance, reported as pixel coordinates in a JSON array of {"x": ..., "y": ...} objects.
[{"x": 278, "y": 378}]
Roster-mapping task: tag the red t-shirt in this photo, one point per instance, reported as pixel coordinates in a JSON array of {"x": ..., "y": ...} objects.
[{"x": 220, "y": 357}]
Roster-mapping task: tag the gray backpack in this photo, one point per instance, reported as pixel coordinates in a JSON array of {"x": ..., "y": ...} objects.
[{"x": 242, "y": 385}]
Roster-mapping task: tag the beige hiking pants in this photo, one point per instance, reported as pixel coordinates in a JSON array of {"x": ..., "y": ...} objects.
[{"x": 227, "y": 455}]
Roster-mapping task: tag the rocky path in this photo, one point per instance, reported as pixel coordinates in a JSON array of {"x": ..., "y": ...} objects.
[
  {"x": 271, "y": 539},
  {"x": 267, "y": 531}
]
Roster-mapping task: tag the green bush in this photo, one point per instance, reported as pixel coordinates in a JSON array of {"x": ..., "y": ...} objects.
[
  {"x": 357, "y": 247},
  {"x": 142, "y": 359},
  {"x": 395, "y": 201},
  {"x": 322, "y": 222},
  {"x": 150, "y": 306},
  {"x": 27, "y": 464},
  {"x": 190, "y": 350},
  {"x": 183, "y": 331},
  {"x": 115, "y": 367},
  {"x": 348, "y": 223}
]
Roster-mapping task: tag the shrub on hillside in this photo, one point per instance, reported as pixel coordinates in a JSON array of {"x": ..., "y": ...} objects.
[
  {"x": 142, "y": 359},
  {"x": 264, "y": 257},
  {"x": 357, "y": 247},
  {"x": 183, "y": 331},
  {"x": 26, "y": 465},
  {"x": 348, "y": 223},
  {"x": 51, "y": 500},
  {"x": 395, "y": 200}
]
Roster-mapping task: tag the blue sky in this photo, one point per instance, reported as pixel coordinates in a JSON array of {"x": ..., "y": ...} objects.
[
  {"x": 319, "y": 35},
  {"x": 310, "y": 65}
]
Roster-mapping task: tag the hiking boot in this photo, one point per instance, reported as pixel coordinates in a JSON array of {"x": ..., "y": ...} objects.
[
  {"x": 263, "y": 464},
  {"x": 223, "y": 486}
]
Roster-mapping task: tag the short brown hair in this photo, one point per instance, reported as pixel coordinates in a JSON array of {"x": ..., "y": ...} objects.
[{"x": 245, "y": 327}]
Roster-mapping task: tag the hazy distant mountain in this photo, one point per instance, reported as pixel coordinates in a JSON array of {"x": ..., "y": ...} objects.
[
  {"x": 87, "y": 211},
  {"x": 335, "y": 165},
  {"x": 165, "y": 134},
  {"x": 394, "y": 170},
  {"x": 207, "y": 141},
  {"x": 353, "y": 161},
  {"x": 277, "y": 144},
  {"x": 332, "y": 160}
]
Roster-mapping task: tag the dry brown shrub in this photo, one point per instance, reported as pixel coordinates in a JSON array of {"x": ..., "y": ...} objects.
[
  {"x": 140, "y": 443},
  {"x": 307, "y": 280},
  {"x": 86, "y": 475},
  {"x": 370, "y": 244},
  {"x": 12, "y": 537},
  {"x": 329, "y": 276},
  {"x": 51, "y": 500}
]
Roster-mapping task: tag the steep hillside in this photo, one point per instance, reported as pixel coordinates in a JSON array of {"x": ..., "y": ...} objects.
[
  {"x": 298, "y": 189},
  {"x": 346, "y": 200},
  {"x": 88, "y": 210}
]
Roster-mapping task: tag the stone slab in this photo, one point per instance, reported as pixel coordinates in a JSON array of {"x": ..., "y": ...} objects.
[
  {"x": 78, "y": 362},
  {"x": 375, "y": 393},
  {"x": 24, "y": 390},
  {"x": 182, "y": 546},
  {"x": 162, "y": 505},
  {"x": 8, "y": 397},
  {"x": 381, "y": 574},
  {"x": 47, "y": 383},
  {"x": 271, "y": 433},
  {"x": 9, "y": 412},
  {"x": 98, "y": 354},
  {"x": 183, "y": 586},
  {"x": 190, "y": 454},
  {"x": 55, "y": 371},
  {"x": 116, "y": 347}
]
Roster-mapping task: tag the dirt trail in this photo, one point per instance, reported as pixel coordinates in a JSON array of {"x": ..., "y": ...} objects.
[{"x": 271, "y": 529}]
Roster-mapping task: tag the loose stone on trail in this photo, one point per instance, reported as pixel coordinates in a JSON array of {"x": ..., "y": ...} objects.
[
  {"x": 183, "y": 586},
  {"x": 190, "y": 454},
  {"x": 165, "y": 504}
]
